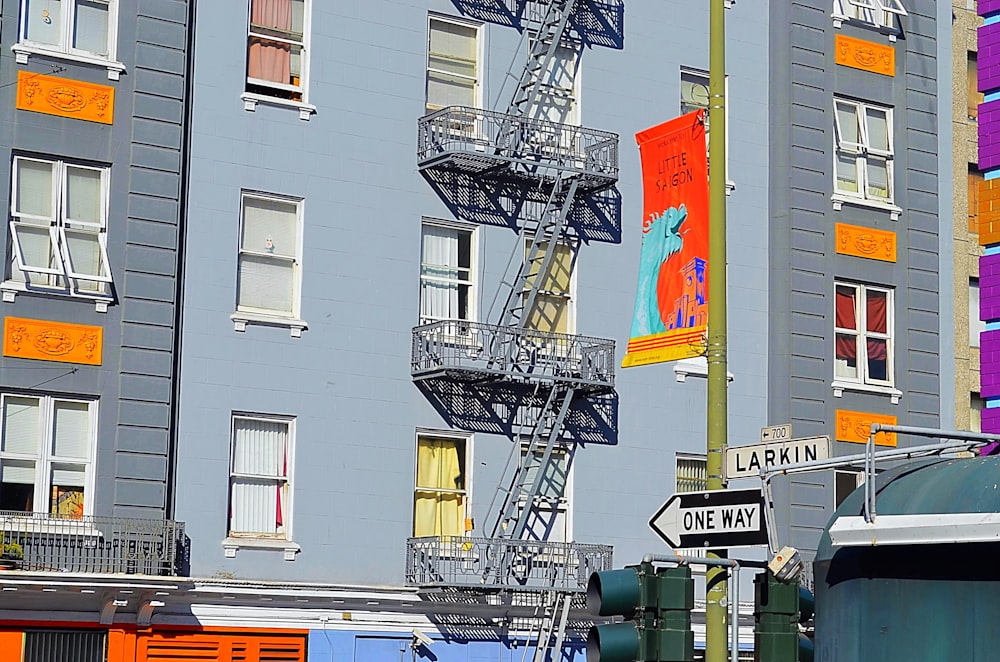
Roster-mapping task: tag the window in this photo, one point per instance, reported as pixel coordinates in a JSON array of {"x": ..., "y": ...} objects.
[
  {"x": 864, "y": 323},
  {"x": 976, "y": 325},
  {"x": 58, "y": 228},
  {"x": 452, "y": 64},
  {"x": 691, "y": 470},
  {"x": 65, "y": 645},
  {"x": 559, "y": 92},
  {"x": 974, "y": 96},
  {"x": 845, "y": 481},
  {"x": 976, "y": 406},
  {"x": 47, "y": 455},
  {"x": 876, "y": 12},
  {"x": 694, "y": 96},
  {"x": 441, "y": 489},
  {"x": 975, "y": 177},
  {"x": 260, "y": 476},
  {"x": 269, "y": 274},
  {"x": 553, "y": 310},
  {"x": 84, "y": 28},
  {"x": 446, "y": 273},
  {"x": 277, "y": 53},
  {"x": 549, "y": 517},
  {"x": 863, "y": 166}
]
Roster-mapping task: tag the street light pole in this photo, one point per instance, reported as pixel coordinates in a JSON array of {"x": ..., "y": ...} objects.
[{"x": 716, "y": 647}]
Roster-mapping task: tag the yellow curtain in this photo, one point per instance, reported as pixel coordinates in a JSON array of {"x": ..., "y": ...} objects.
[
  {"x": 551, "y": 310},
  {"x": 439, "y": 467}
]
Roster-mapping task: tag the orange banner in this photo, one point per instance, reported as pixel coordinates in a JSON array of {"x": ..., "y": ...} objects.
[{"x": 671, "y": 302}]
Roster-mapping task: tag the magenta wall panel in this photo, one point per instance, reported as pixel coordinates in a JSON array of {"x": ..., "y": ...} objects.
[
  {"x": 989, "y": 363},
  {"x": 987, "y": 7},
  {"x": 989, "y": 57}
]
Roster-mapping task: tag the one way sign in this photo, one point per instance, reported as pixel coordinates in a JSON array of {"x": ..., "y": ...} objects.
[{"x": 717, "y": 519}]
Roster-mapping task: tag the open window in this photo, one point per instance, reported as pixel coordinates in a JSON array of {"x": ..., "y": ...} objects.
[
  {"x": 447, "y": 273},
  {"x": 441, "y": 489},
  {"x": 863, "y": 164},
  {"x": 81, "y": 30},
  {"x": 880, "y": 13}
]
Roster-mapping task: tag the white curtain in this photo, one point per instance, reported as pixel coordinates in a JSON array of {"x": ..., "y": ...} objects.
[
  {"x": 260, "y": 459},
  {"x": 439, "y": 274}
]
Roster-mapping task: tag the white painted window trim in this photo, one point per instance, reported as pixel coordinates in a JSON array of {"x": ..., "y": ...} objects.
[
  {"x": 480, "y": 57},
  {"x": 886, "y": 8},
  {"x": 25, "y": 48},
  {"x": 294, "y": 322},
  {"x": 57, "y": 231},
  {"x": 474, "y": 276},
  {"x": 700, "y": 73},
  {"x": 285, "y": 540},
  {"x": 861, "y": 160},
  {"x": 44, "y": 459},
  {"x": 469, "y": 439},
  {"x": 863, "y": 383},
  {"x": 571, "y": 296},
  {"x": 694, "y": 367},
  {"x": 251, "y": 99},
  {"x": 565, "y": 502}
]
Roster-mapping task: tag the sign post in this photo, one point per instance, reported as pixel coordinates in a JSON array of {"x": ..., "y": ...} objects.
[{"x": 716, "y": 519}]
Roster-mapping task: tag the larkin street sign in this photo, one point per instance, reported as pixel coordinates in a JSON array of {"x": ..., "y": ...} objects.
[
  {"x": 715, "y": 519},
  {"x": 747, "y": 461}
]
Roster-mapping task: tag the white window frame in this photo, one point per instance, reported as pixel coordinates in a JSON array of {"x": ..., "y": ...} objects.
[
  {"x": 248, "y": 315},
  {"x": 279, "y": 541},
  {"x": 879, "y": 13},
  {"x": 428, "y": 69},
  {"x": 25, "y": 47},
  {"x": 467, "y": 439},
  {"x": 863, "y": 382},
  {"x": 251, "y": 99},
  {"x": 691, "y": 72},
  {"x": 45, "y": 459},
  {"x": 58, "y": 224},
  {"x": 976, "y": 325},
  {"x": 563, "y": 505},
  {"x": 472, "y": 282},
  {"x": 702, "y": 460},
  {"x": 570, "y": 297},
  {"x": 861, "y": 150}
]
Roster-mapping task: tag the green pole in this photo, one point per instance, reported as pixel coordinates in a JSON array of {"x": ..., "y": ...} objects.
[{"x": 716, "y": 639}]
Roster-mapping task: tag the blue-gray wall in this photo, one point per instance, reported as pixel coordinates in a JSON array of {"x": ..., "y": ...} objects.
[
  {"x": 143, "y": 146},
  {"x": 347, "y": 379}
]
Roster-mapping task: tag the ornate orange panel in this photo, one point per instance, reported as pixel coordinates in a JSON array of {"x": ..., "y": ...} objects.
[
  {"x": 865, "y": 55},
  {"x": 988, "y": 212},
  {"x": 855, "y": 426},
  {"x": 65, "y": 97},
  {"x": 866, "y": 242},
  {"x": 52, "y": 341}
]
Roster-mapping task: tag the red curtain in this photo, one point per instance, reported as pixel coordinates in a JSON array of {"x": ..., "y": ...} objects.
[
  {"x": 270, "y": 60},
  {"x": 847, "y": 347}
]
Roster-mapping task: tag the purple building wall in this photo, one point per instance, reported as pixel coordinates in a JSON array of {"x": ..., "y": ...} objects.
[{"x": 988, "y": 62}]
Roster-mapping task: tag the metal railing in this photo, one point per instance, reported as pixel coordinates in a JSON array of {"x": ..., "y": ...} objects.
[
  {"x": 597, "y": 22},
  {"x": 454, "y": 345},
  {"x": 100, "y": 545},
  {"x": 455, "y": 561},
  {"x": 475, "y": 139}
]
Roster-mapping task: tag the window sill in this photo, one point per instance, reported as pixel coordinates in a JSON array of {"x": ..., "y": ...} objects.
[
  {"x": 893, "y": 393},
  {"x": 839, "y": 200},
  {"x": 11, "y": 288},
  {"x": 250, "y": 101},
  {"x": 242, "y": 318},
  {"x": 23, "y": 50},
  {"x": 696, "y": 367},
  {"x": 891, "y": 33},
  {"x": 231, "y": 545}
]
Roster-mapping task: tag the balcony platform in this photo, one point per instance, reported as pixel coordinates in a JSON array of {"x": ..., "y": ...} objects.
[
  {"x": 477, "y": 352},
  {"x": 510, "y": 149},
  {"x": 594, "y": 22}
]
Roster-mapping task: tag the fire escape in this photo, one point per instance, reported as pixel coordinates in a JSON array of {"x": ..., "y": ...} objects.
[{"x": 554, "y": 184}]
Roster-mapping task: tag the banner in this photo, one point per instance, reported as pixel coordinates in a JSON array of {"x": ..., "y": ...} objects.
[{"x": 671, "y": 304}]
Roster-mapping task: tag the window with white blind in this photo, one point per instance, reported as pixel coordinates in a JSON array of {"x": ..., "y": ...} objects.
[
  {"x": 440, "y": 495},
  {"x": 269, "y": 273},
  {"x": 85, "y": 28},
  {"x": 277, "y": 49},
  {"x": 58, "y": 229},
  {"x": 47, "y": 455},
  {"x": 553, "y": 309},
  {"x": 863, "y": 163},
  {"x": 874, "y": 12},
  {"x": 452, "y": 64},
  {"x": 260, "y": 478},
  {"x": 447, "y": 287}
]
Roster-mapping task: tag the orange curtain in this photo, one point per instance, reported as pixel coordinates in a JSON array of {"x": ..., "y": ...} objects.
[{"x": 270, "y": 60}]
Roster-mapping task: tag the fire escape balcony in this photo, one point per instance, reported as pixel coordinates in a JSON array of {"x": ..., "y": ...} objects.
[
  {"x": 38, "y": 542},
  {"x": 507, "y": 148},
  {"x": 462, "y": 351},
  {"x": 461, "y": 562},
  {"x": 595, "y": 22}
]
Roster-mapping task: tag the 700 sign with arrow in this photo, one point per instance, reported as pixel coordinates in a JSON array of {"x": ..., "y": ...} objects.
[{"x": 714, "y": 519}]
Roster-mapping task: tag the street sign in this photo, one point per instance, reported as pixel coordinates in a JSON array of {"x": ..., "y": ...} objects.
[
  {"x": 776, "y": 432},
  {"x": 747, "y": 461},
  {"x": 714, "y": 519}
]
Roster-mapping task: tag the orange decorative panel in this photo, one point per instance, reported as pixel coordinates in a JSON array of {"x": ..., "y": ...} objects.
[
  {"x": 52, "y": 341},
  {"x": 865, "y": 55},
  {"x": 65, "y": 97},
  {"x": 855, "y": 426},
  {"x": 989, "y": 212},
  {"x": 866, "y": 243}
]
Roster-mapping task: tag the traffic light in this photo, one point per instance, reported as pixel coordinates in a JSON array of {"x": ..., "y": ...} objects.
[
  {"x": 779, "y": 607},
  {"x": 657, "y": 603}
]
